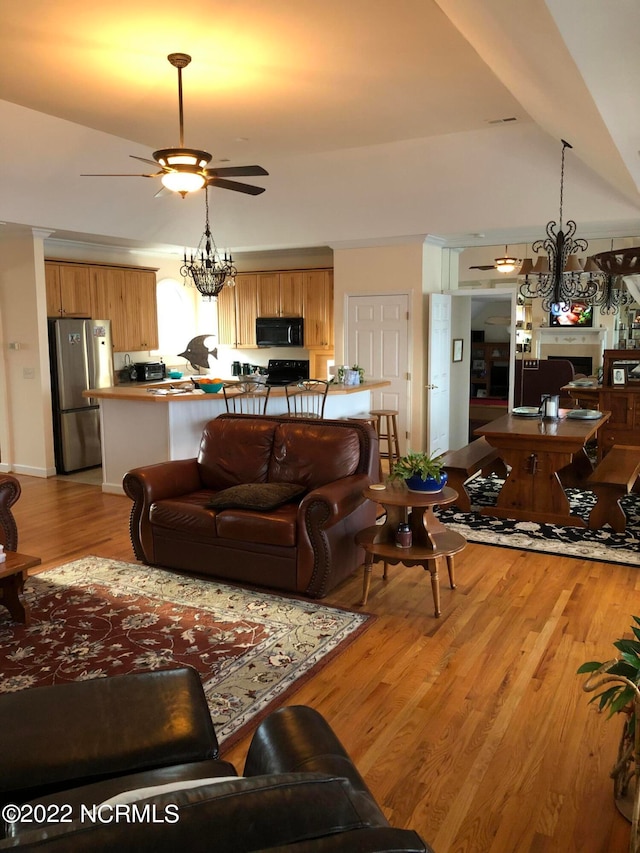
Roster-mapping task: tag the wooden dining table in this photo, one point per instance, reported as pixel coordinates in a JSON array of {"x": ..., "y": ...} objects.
[{"x": 544, "y": 456}]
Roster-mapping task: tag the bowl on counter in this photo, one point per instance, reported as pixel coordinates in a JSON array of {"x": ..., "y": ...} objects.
[
  {"x": 175, "y": 374},
  {"x": 208, "y": 386}
]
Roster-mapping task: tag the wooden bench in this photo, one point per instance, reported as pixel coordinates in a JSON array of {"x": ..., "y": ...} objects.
[
  {"x": 612, "y": 479},
  {"x": 467, "y": 463}
]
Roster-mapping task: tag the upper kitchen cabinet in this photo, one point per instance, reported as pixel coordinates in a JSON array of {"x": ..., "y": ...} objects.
[
  {"x": 68, "y": 290},
  {"x": 318, "y": 308},
  {"x": 246, "y": 289},
  {"x": 226, "y": 305},
  {"x": 280, "y": 294},
  {"x": 127, "y": 297}
]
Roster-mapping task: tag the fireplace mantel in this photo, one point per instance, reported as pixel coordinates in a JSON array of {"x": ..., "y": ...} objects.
[
  {"x": 570, "y": 336},
  {"x": 558, "y": 340}
]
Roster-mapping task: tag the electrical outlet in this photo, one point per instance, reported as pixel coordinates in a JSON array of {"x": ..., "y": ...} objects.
[{"x": 29, "y": 373}]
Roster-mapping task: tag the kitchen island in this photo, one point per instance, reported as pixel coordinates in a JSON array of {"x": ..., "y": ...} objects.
[{"x": 140, "y": 426}]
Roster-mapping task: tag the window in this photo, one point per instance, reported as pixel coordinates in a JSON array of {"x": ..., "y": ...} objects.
[{"x": 176, "y": 317}]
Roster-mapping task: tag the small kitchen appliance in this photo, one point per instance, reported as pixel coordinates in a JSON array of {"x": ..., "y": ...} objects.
[
  {"x": 279, "y": 332},
  {"x": 149, "y": 371}
]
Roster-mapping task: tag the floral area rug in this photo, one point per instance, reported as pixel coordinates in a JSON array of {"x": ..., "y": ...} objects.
[
  {"x": 605, "y": 544},
  {"x": 95, "y": 617}
]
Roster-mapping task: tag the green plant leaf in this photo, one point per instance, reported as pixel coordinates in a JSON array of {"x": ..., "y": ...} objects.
[
  {"x": 589, "y": 666},
  {"x": 623, "y": 699}
]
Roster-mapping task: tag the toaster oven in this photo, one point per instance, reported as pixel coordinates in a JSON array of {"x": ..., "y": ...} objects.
[{"x": 149, "y": 371}]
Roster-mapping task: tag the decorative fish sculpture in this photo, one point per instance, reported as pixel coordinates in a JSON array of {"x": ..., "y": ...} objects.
[{"x": 197, "y": 353}]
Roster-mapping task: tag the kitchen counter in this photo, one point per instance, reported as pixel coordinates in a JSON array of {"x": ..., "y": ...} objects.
[
  {"x": 139, "y": 427},
  {"x": 144, "y": 391}
]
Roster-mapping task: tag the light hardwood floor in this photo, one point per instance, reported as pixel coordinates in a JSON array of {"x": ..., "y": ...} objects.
[{"x": 473, "y": 728}]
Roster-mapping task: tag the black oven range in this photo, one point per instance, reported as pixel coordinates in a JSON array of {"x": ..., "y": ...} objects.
[{"x": 282, "y": 371}]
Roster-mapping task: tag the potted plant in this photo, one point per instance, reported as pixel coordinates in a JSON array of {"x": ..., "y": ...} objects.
[
  {"x": 421, "y": 471},
  {"x": 618, "y": 683}
]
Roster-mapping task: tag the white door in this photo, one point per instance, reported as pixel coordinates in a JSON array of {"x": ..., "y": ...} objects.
[
  {"x": 438, "y": 380},
  {"x": 378, "y": 340}
]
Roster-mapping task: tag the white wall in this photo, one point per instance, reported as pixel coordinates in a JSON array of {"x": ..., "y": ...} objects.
[{"x": 26, "y": 424}]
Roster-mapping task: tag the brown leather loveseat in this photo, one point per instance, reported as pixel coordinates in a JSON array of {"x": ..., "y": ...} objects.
[{"x": 305, "y": 545}]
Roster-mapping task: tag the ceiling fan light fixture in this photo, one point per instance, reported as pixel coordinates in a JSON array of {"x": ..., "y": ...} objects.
[
  {"x": 506, "y": 265},
  {"x": 182, "y": 180},
  {"x": 170, "y": 157}
]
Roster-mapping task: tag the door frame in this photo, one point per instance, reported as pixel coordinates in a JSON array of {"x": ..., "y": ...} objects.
[
  {"x": 409, "y": 426},
  {"x": 502, "y": 294}
]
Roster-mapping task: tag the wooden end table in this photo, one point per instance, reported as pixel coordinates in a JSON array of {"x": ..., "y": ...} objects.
[
  {"x": 430, "y": 538},
  {"x": 13, "y": 573}
]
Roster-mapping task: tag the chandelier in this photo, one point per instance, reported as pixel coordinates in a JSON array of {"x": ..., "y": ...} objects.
[
  {"x": 559, "y": 277},
  {"x": 208, "y": 270},
  {"x": 613, "y": 294}
]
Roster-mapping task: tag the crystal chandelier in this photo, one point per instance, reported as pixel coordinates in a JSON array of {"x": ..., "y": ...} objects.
[
  {"x": 559, "y": 277},
  {"x": 208, "y": 270}
]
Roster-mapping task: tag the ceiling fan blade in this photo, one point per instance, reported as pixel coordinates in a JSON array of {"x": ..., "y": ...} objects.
[
  {"x": 484, "y": 267},
  {"x": 234, "y": 185},
  {"x": 146, "y": 160},
  {"x": 126, "y": 175},
  {"x": 236, "y": 171}
]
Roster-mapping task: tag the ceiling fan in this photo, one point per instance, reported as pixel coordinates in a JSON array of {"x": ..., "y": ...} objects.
[
  {"x": 505, "y": 265},
  {"x": 183, "y": 170}
]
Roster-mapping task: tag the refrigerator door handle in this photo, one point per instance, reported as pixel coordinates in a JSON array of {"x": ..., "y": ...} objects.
[{"x": 90, "y": 365}]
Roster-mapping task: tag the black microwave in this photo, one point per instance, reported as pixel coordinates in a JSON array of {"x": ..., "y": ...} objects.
[{"x": 279, "y": 332}]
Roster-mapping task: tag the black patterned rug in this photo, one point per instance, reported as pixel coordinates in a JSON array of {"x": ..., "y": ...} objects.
[{"x": 605, "y": 544}]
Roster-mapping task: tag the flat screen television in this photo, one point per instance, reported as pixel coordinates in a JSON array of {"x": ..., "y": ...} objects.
[{"x": 576, "y": 313}]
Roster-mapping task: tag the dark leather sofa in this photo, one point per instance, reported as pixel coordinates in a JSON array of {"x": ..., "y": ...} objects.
[
  {"x": 9, "y": 493},
  {"x": 68, "y": 749},
  {"x": 305, "y": 546}
]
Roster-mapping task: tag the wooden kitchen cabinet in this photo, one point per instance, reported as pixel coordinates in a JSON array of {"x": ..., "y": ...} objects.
[
  {"x": 68, "y": 290},
  {"x": 226, "y": 306},
  {"x": 291, "y": 294},
  {"x": 318, "y": 308},
  {"x": 268, "y": 294},
  {"x": 280, "y": 294},
  {"x": 127, "y": 297},
  {"x": 246, "y": 310}
]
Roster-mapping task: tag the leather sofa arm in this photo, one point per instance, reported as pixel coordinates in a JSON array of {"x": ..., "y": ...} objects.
[
  {"x": 9, "y": 493},
  {"x": 163, "y": 480},
  {"x": 64, "y": 735},
  {"x": 326, "y": 505},
  {"x": 153, "y": 483},
  {"x": 298, "y": 739}
]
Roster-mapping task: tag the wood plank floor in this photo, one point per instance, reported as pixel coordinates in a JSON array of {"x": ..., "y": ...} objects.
[{"x": 473, "y": 728}]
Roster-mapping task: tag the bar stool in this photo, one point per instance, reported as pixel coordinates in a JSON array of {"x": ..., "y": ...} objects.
[{"x": 389, "y": 436}]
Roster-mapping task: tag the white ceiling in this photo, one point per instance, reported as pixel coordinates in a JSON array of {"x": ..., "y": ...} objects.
[{"x": 374, "y": 118}]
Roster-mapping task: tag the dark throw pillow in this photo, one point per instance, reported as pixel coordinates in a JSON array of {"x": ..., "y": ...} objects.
[{"x": 256, "y": 496}]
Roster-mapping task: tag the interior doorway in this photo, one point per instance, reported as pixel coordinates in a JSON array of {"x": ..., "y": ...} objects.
[
  {"x": 377, "y": 340},
  {"x": 491, "y": 342}
]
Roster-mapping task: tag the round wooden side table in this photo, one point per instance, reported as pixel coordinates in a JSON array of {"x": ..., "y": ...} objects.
[{"x": 430, "y": 538}]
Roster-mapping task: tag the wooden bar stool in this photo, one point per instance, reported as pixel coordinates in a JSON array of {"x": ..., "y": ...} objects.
[{"x": 389, "y": 436}]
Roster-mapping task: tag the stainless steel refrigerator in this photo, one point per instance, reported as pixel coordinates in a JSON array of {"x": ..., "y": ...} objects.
[{"x": 81, "y": 358}]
